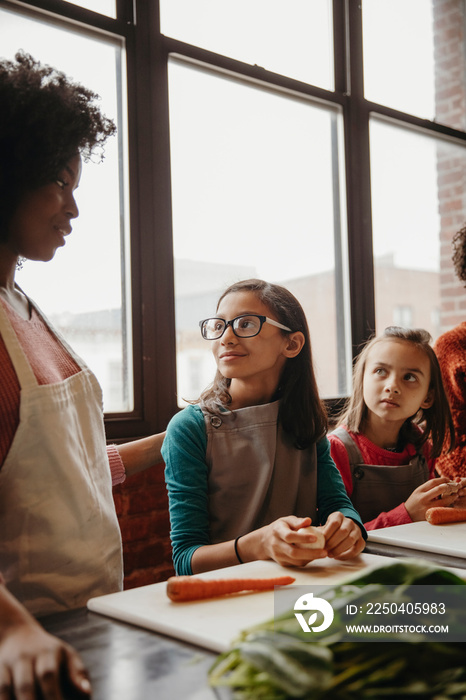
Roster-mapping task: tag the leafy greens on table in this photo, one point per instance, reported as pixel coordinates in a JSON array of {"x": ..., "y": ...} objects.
[{"x": 275, "y": 660}]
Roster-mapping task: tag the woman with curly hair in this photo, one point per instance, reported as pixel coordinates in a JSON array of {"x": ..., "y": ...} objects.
[
  {"x": 60, "y": 542},
  {"x": 450, "y": 349}
]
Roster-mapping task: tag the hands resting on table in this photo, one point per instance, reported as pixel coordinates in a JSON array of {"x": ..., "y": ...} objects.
[
  {"x": 283, "y": 542},
  {"x": 33, "y": 663}
]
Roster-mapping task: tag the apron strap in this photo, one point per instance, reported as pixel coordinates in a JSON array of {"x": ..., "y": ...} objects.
[
  {"x": 17, "y": 355},
  {"x": 354, "y": 453},
  {"x": 26, "y": 376}
]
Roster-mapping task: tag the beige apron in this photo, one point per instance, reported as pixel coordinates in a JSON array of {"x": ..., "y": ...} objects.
[
  {"x": 258, "y": 476},
  {"x": 60, "y": 542},
  {"x": 378, "y": 488}
]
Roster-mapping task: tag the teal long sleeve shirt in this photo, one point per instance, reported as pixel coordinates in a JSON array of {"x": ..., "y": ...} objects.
[{"x": 186, "y": 476}]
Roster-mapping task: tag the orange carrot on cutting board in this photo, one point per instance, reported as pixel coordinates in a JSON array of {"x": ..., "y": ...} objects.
[
  {"x": 184, "y": 588},
  {"x": 441, "y": 514}
]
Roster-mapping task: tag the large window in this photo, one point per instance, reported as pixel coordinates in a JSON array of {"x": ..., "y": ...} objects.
[
  {"x": 320, "y": 145},
  {"x": 105, "y": 7},
  {"x": 297, "y": 43},
  {"x": 84, "y": 290},
  {"x": 417, "y": 167},
  {"x": 417, "y": 200},
  {"x": 402, "y": 78},
  {"x": 264, "y": 202}
]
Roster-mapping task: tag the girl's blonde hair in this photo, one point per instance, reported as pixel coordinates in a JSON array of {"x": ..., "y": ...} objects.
[{"x": 437, "y": 423}]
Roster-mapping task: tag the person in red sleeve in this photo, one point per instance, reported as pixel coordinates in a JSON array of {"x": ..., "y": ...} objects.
[{"x": 450, "y": 349}]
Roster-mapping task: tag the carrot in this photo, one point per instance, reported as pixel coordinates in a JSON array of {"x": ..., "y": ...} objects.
[
  {"x": 184, "y": 588},
  {"x": 441, "y": 514}
]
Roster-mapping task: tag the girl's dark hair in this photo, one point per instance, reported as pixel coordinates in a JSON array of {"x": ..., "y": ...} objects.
[
  {"x": 45, "y": 120},
  {"x": 459, "y": 253},
  {"x": 437, "y": 421},
  {"x": 302, "y": 414}
]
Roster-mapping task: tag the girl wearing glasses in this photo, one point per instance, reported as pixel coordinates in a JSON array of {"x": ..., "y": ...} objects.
[{"x": 249, "y": 464}]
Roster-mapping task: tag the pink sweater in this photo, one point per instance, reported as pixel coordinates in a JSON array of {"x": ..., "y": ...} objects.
[
  {"x": 50, "y": 363},
  {"x": 372, "y": 454}
]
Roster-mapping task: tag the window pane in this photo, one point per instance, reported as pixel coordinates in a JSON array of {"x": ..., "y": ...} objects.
[
  {"x": 414, "y": 57},
  {"x": 255, "y": 187},
  {"x": 84, "y": 290},
  {"x": 418, "y": 203},
  {"x": 103, "y": 7},
  {"x": 293, "y": 39}
]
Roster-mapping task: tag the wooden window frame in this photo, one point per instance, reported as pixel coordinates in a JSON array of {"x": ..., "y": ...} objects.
[{"x": 153, "y": 304}]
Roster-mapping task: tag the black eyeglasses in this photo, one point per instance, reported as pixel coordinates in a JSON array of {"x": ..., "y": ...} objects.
[{"x": 246, "y": 326}]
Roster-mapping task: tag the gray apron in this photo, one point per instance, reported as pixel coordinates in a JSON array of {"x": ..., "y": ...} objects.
[
  {"x": 379, "y": 488},
  {"x": 256, "y": 475}
]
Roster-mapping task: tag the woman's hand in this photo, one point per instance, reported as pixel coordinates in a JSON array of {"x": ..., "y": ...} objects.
[
  {"x": 343, "y": 537},
  {"x": 33, "y": 663},
  {"x": 435, "y": 492}
]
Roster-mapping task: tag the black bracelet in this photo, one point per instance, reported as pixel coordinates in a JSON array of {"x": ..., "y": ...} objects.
[{"x": 236, "y": 550}]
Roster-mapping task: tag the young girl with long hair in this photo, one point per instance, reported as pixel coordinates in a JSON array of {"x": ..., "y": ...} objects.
[
  {"x": 393, "y": 428},
  {"x": 249, "y": 464}
]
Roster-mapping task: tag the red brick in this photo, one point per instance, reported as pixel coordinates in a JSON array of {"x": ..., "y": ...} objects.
[
  {"x": 143, "y": 556},
  {"x": 139, "y": 528},
  {"x": 145, "y": 577},
  {"x": 147, "y": 500},
  {"x": 451, "y": 205},
  {"x": 447, "y": 277}
]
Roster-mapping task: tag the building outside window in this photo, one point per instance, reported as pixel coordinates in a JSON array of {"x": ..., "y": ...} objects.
[{"x": 403, "y": 316}]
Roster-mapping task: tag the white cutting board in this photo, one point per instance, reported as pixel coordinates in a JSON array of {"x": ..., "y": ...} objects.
[
  {"x": 448, "y": 539},
  {"x": 213, "y": 624}
]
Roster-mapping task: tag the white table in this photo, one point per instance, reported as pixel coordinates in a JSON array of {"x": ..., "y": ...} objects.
[
  {"x": 442, "y": 544},
  {"x": 213, "y": 624}
]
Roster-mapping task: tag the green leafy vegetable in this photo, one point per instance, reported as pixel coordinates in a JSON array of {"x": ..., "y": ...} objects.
[{"x": 275, "y": 660}]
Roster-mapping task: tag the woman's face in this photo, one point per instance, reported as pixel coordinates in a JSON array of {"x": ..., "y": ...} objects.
[{"x": 42, "y": 218}]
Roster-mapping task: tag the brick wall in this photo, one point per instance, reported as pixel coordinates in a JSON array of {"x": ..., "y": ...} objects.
[
  {"x": 450, "y": 103},
  {"x": 142, "y": 508}
]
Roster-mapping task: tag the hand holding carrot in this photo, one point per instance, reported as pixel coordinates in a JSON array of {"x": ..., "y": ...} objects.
[{"x": 428, "y": 495}]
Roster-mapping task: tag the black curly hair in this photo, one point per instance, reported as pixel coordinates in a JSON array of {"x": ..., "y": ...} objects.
[
  {"x": 45, "y": 120},
  {"x": 459, "y": 253}
]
